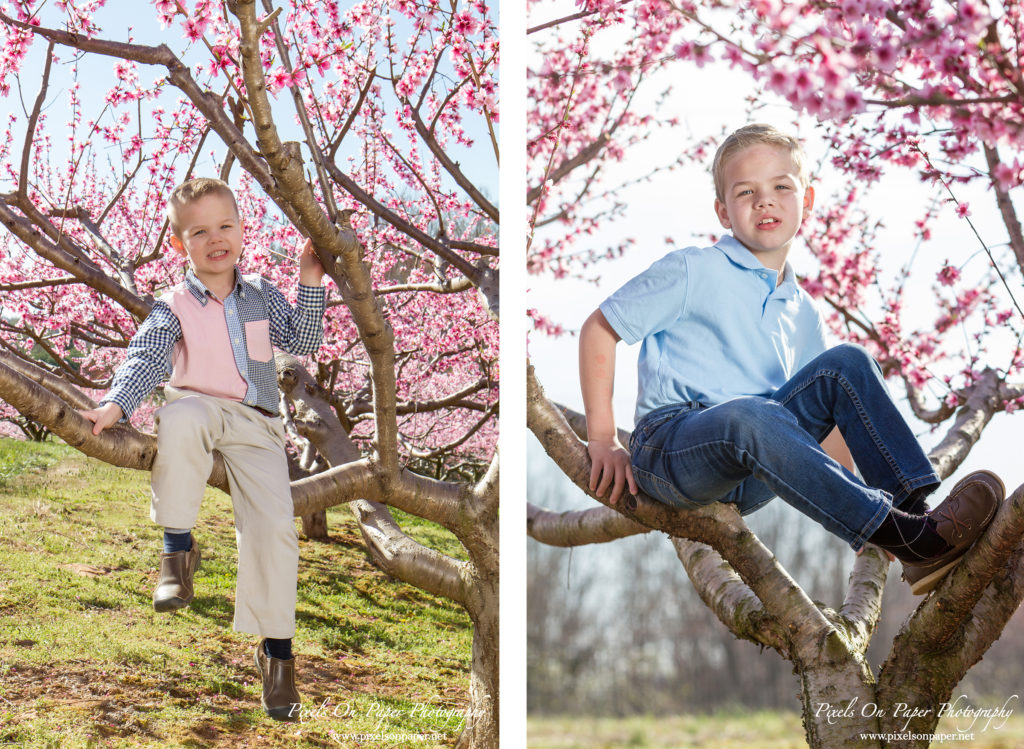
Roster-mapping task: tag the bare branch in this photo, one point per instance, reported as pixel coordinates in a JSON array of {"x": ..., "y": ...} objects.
[
  {"x": 407, "y": 560},
  {"x": 863, "y": 605},
  {"x": 728, "y": 596},
  {"x": 30, "y": 129},
  {"x": 981, "y": 405},
  {"x": 446, "y": 287},
  {"x": 46, "y": 283},
  {"x": 595, "y": 525}
]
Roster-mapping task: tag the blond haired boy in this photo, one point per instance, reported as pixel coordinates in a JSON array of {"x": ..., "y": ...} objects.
[
  {"x": 740, "y": 399},
  {"x": 213, "y": 335}
]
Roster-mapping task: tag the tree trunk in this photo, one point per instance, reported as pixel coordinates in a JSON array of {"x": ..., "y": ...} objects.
[
  {"x": 837, "y": 692},
  {"x": 481, "y": 731},
  {"x": 314, "y": 527}
]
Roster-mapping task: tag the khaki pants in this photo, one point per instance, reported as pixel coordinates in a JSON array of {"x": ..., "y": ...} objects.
[{"x": 189, "y": 428}]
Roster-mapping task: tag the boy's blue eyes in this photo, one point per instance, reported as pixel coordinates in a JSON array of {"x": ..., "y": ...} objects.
[
  {"x": 197, "y": 232},
  {"x": 749, "y": 192}
]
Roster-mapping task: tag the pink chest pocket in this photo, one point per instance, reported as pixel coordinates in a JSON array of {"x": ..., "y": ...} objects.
[{"x": 257, "y": 340}]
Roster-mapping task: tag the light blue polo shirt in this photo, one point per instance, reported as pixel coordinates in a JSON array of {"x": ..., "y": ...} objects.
[{"x": 714, "y": 326}]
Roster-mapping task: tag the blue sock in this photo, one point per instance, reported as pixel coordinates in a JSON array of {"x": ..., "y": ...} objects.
[
  {"x": 280, "y": 649},
  {"x": 180, "y": 541}
]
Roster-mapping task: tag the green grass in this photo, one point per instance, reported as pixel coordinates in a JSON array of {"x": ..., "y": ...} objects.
[
  {"x": 728, "y": 730},
  {"x": 84, "y": 660}
]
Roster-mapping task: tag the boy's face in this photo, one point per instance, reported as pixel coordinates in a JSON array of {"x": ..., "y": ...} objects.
[
  {"x": 211, "y": 236},
  {"x": 765, "y": 200}
]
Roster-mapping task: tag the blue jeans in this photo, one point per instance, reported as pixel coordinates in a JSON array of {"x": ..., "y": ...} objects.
[{"x": 751, "y": 449}]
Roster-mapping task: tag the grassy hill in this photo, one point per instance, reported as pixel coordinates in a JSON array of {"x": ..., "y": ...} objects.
[{"x": 85, "y": 661}]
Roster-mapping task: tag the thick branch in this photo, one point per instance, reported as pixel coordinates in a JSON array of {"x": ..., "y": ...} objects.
[
  {"x": 863, "y": 605},
  {"x": 728, "y": 596},
  {"x": 120, "y": 445},
  {"x": 395, "y": 552},
  {"x": 595, "y": 525},
  {"x": 917, "y": 405},
  {"x": 352, "y": 277},
  {"x": 925, "y": 677},
  {"x": 345, "y": 483},
  {"x": 406, "y": 559},
  {"x": 941, "y": 615},
  {"x": 48, "y": 380}
]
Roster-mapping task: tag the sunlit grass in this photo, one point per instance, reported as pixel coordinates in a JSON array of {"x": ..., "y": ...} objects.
[{"x": 84, "y": 660}]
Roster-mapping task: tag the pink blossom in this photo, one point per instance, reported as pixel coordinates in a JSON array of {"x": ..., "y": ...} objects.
[{"x": 948, "y": 275}]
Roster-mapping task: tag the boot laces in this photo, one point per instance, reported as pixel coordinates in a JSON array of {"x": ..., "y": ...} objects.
[{"x": 949, "y": 513}]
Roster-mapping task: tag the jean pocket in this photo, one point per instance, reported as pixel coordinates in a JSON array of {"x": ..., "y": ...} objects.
[
  {"x": 650, "y": 423},
  {"x": 664, "y": 491},
  {"x": 257, "y": 340}
]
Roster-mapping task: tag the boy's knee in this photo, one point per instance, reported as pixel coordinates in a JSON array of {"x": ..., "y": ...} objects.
[{"x": 848, "y": 357}]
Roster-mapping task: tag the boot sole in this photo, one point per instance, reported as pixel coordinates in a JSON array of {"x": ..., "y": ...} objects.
[
  {"x": 175, "y": 603},
  {"x": 929, "y": 582}
]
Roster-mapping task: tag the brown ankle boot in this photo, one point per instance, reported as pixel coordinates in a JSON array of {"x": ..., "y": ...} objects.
[
  {"x": 280, "y": 697},
  {"x": 961, "y": 519},
  {"x": 174, "y": 587}
]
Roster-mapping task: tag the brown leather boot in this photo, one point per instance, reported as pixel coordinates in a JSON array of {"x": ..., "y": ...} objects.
[
  {"x": 174, "y": 587},
  {"x": 280, "y": 697},
  {"x": 960, "y": 519}
]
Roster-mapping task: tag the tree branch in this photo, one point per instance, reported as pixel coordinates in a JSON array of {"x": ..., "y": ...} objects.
[
  {"x": 30, "y": 129},
  {"x": 595, "y": 525},
  {"x": 453, "y": 168},
  {"x": 942, "y": 614},
  {"x": 863, "y": 604},
  {"x": 982, "y": 404},
  {"x": 354, "y": 281},
  {"x": 396, "y": 553},
  {"x": 731, "y": 600},
  {"x": 56, "y": 385},
  {"x": 401, "y": 557},
  {"x": 88, "y": 274},
  {"x": 1006, "y": 208}
]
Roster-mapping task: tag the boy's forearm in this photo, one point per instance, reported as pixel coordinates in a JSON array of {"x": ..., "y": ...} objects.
[{"x": 597, "y": 375}]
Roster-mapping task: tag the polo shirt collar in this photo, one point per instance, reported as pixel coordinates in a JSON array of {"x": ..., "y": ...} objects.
[
  {"x": 199, "y": 290},
  {"x": 741, "y": 256}
]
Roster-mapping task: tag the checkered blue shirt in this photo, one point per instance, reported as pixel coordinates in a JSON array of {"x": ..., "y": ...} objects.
[{"x": 297, "y": 330}]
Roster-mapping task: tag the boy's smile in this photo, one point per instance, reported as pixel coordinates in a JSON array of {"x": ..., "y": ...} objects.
[
  {"x": 765, "y": 201},
  {"x": 211, "y": 238}
]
